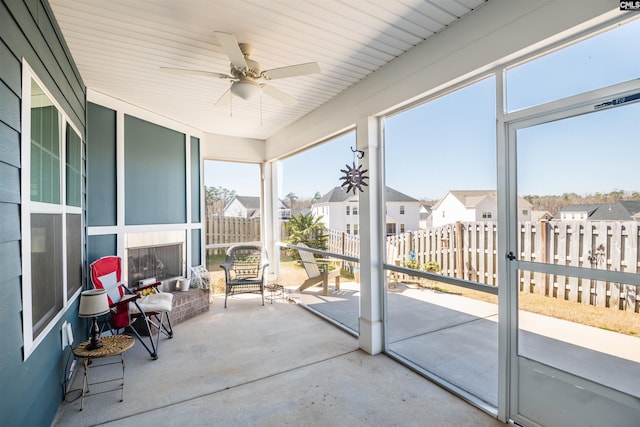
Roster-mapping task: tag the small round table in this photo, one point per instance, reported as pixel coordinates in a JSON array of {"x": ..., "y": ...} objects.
[{"x": 115, "y": 345}]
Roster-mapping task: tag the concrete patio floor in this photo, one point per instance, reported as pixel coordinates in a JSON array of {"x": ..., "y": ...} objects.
[
  {"x": 456, "y": 338},
  {"x": 276, "y": 365}
]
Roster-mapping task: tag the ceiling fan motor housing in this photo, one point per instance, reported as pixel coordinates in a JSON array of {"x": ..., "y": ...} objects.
[{"x": 253, "y": 68}]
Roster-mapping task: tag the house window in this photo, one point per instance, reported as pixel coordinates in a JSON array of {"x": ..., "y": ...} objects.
[
  {"x": 354, "y": 211},
  {"x": 486, "y": 215},
  {"x": 401, "y": 228},
  {"x": 525, "y": 211},
  {"x": 348, "y": 209},
  {"x": 348, "y": 228},
  {"x": 401, "y": 209},
  {"x": 391, "y": 229},
  {"x": 51, "y": 212},
  {"x": 355, "y": 229}
]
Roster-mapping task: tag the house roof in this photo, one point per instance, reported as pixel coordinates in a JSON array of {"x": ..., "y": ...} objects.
[
  {"x": 339, "y": 194},
  {"x": 249, "y": 202},
  {"x": 625, "y": 210},
  {"x": 471, "y": 198},
  {"x": 252, "y": 203}
]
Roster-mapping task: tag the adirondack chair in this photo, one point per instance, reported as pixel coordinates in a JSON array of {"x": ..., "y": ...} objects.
[
  {"x": 393, "y": 259},
  {"x": 317, "y": 272}
]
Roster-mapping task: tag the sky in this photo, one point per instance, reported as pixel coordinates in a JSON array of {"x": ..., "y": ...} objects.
[{"x": 449, "y": 143}]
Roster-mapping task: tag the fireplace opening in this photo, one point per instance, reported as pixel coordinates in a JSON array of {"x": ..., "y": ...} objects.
[{"x": 160, "y": 262}]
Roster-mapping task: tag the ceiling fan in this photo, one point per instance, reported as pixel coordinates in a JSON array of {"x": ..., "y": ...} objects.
[{"x": 245, "y": 74}]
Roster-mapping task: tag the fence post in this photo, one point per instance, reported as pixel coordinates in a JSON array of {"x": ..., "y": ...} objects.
[
  {"x": 459, "y": 268},
  {"x": 543, "y": 289}
]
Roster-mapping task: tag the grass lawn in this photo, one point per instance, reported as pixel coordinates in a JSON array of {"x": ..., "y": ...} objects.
[{"x": 624, "y": 322}]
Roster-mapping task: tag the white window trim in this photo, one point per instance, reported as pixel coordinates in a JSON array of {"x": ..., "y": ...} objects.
[{"x": 28, "y": 207}]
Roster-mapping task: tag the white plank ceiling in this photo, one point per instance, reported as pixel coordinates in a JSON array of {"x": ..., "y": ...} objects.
[{"x": 120, "y": 45}]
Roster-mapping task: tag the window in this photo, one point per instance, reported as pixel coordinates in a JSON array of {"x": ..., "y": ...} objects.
[
  {"x": 401, "y": 228},
  {"x": 486, "y": 215},
  {"x": 401, "y": 209},
  {"x": 348, "y": 228},
  {"x": 354, "y": 210},
  {"x": 355, "y": 229},
  {"x": 348, "y": 209},
  {"x": 52, "y": 212},
  {"x": 391, "y": 229},
  {"x": 525, "y": 211}
]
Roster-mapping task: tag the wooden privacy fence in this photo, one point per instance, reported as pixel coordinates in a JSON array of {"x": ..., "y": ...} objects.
[
  {"x": 469, "y": 251},
  {"x": 225, "y": 230}
]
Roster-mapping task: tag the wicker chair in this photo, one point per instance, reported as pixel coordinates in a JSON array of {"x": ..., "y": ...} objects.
[{"x": 244, "y": 270}]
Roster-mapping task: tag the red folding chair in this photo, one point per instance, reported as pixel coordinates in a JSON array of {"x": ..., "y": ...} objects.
[{"x": 147, "y": 303}]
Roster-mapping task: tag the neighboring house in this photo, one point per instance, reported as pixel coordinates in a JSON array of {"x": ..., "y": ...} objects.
[
  {"x": 537, "y": 216},
  {"x": 339, "y": 211},
  {"x": 628, "y": 210},
  {"x": 472, "y": 206},
  {"x": 425, "y": 217},
  {"x": 249, "y": 207}
]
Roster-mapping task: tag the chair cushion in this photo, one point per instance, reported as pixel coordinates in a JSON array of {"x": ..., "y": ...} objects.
[{"x": 162, "y": 301}]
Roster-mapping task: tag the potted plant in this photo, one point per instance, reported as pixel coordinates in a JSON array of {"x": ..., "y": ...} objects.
[{"x": 431, "y": 267}]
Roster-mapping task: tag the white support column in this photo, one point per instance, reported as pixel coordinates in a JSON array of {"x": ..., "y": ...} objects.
[
  {"x": 188, "y": 227},
  {"x": 368, "y": 138},
  {"x": 270, "y": 224},
  {"x": 120, "y": 184}
]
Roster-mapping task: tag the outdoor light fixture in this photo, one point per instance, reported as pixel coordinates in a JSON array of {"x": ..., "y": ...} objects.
[
  {"x": 245, "y": 89},
  {"x": 93, "y": 303}
]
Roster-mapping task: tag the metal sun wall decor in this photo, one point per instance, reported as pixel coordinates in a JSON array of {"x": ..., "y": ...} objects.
[{"x": 354, "y": 177}]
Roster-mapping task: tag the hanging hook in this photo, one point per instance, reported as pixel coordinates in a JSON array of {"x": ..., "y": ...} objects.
[{"x": 359, "y": 153}]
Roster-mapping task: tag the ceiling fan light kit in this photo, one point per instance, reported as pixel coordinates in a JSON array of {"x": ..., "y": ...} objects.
[
  {"x": 245, "y": 74},
  {"x": 245, "y": 89}
]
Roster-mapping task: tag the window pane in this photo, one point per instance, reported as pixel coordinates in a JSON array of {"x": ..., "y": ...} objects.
[
  {"x": 45, "y": 148},
  {"x": 600, "y": 61},
  {"x": 74, "y": 166},
  {"x": 46, "y": 269},
  {"x": 74, "y": 253},
  {"x": 232, "y": 211},
  {"x": 443, "y": 155},
  {"x": 323, "y": 218}
]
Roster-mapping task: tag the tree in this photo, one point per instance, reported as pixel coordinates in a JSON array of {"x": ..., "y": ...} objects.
[
  {"x": 216, "y": 198},
  {"x": 307, "y": 229},
  {"x": 291, "y": 197},
  {"x": 316, "y": 197}
]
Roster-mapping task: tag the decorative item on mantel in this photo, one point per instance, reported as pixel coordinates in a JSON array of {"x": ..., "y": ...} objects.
[
  {"x": 354, "y": 177},
  {"x": 200, "y": 277},
  {"x": 183, "y": 284}
]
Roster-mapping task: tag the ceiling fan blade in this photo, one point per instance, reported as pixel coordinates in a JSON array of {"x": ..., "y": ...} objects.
[
  {"x": 225, "y": 99},
  {"x": 291, "y": 71},
  {"x": 184, "y": 71},
  {"x": 279, "y": 95},
  {"x": 232, "y": 49}
]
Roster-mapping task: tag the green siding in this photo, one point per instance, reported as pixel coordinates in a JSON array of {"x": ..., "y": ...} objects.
[
  {"x": 195, "y": 179},
  {"x": 155, "y": 174},
  {"x": 99, "y": 246},
  {"x": 101, "y": 166},
  {"x": 32, "y": 388}
]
